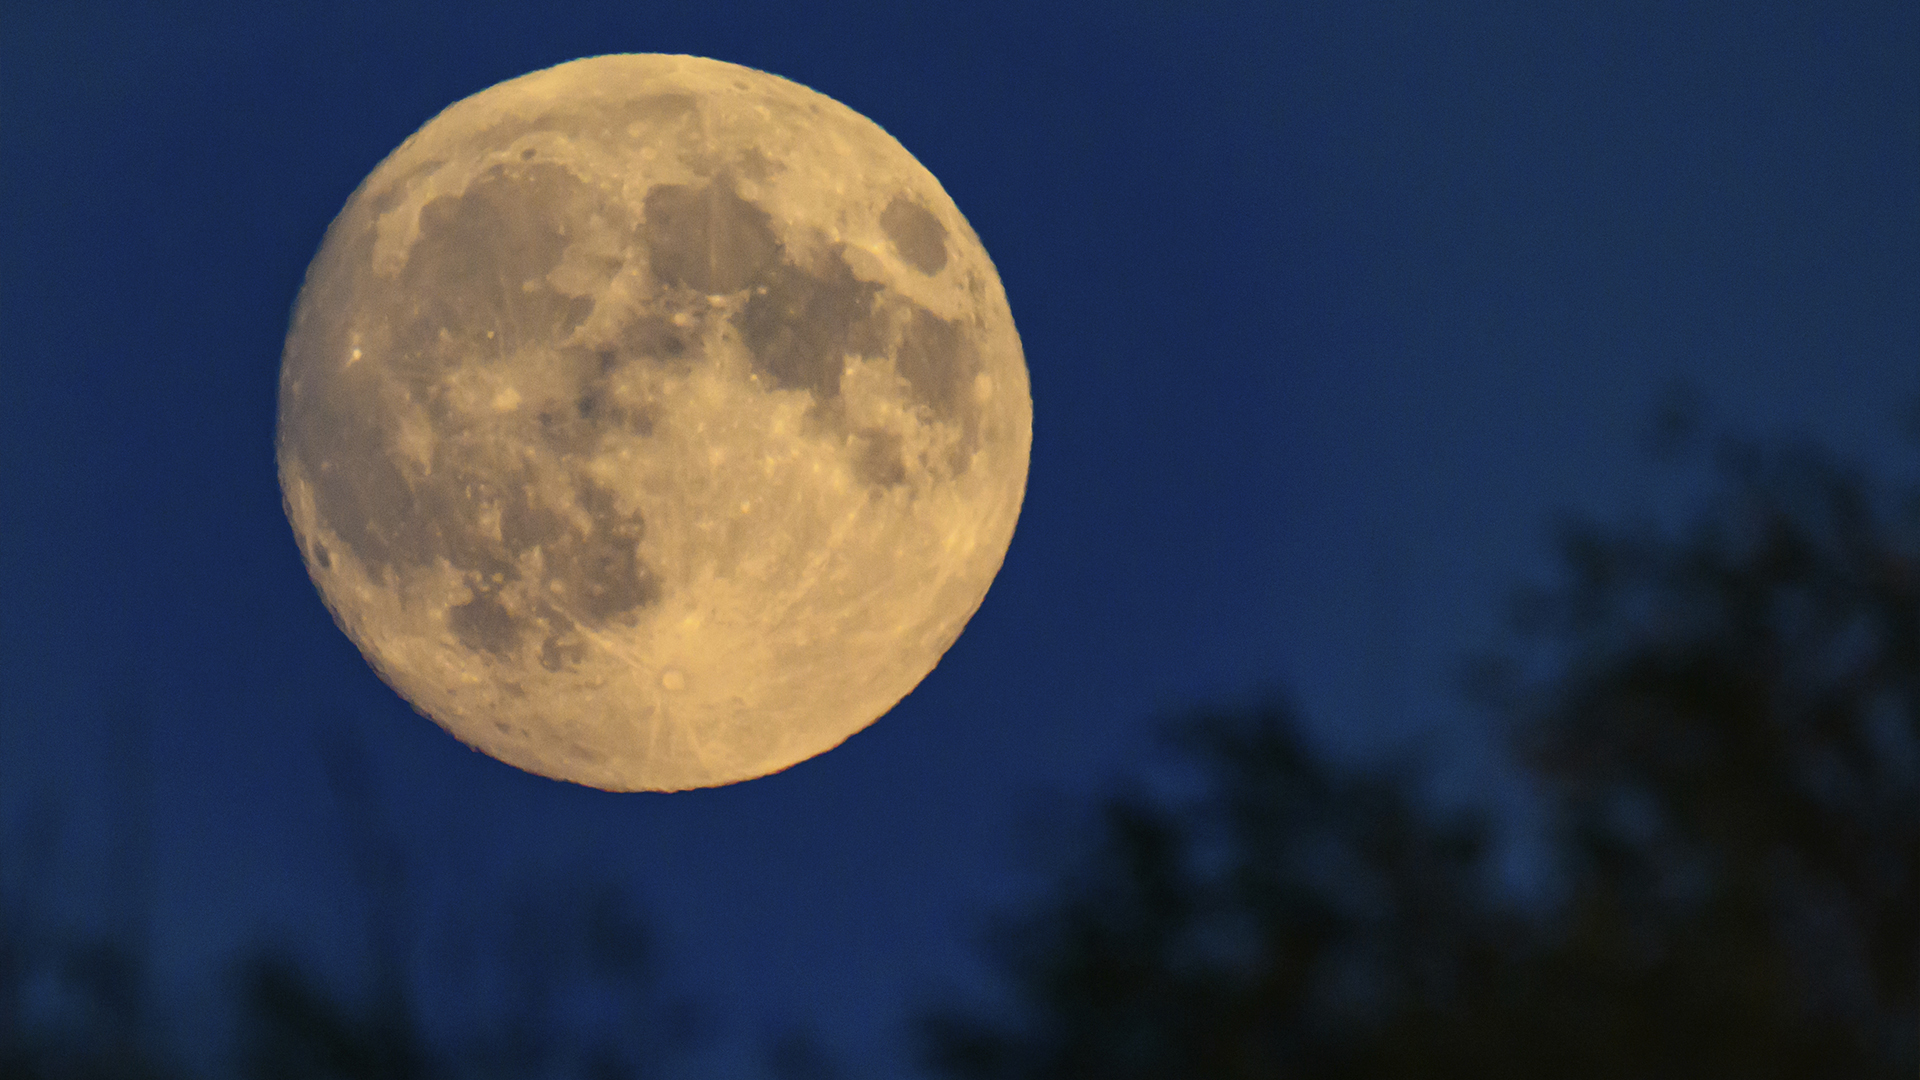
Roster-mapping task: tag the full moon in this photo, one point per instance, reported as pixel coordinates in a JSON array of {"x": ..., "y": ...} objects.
[{"x": 652, "y": 422}]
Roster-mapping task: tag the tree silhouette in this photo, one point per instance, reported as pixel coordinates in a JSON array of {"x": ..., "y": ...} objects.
[
  {"x": 579, "y": 1001},
  {"x": 1725, "y": 727},
  {"x": 74, "y": 999},
  {"x": 572, "y": 964},
  {"x": 1246, "y": 932},
  {"x": 292, "y": 1028},
  {"x": 1728, "y": 723}
]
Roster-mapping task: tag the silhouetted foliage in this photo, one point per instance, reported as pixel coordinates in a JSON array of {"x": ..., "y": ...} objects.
[
  {"x": 1728, "y": 726},
  {"x": 1725, "y": 728},
  {"x": 293, "y": 1029},
  {"x": 578, "y": 971},
  {"x": 562, "y": 985},
  {"x": 73, "y": 1014},
  {"x": 577, "y": 999},
  {"x": 73, "y": 1000},
  {"x": 70, "y": 1008},
  {"x": 1246, "y": 932},
  {"x": 561, "y": 980},
  {"x": 797, "y": 1055}
]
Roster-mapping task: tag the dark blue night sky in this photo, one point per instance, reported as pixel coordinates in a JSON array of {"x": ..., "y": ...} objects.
[{"x": 1327, "y": 311}]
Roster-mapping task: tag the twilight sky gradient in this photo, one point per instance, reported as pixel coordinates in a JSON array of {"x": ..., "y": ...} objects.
[{"x": 1326, "y": 312}]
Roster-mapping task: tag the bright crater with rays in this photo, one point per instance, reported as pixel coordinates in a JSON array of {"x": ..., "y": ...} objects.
[{"x": 652, "y": 422}]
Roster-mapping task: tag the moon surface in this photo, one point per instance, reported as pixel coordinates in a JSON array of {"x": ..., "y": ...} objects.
[{"x": 652, "y": 422}]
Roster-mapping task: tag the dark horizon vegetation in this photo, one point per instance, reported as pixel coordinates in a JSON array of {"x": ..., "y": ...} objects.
[{"x": 1721, "y": 721}]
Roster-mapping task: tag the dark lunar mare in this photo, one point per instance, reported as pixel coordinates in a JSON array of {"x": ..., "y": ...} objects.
[
  {"x": 474, "y": 291},
  {"x": 916, "y": 234}
]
